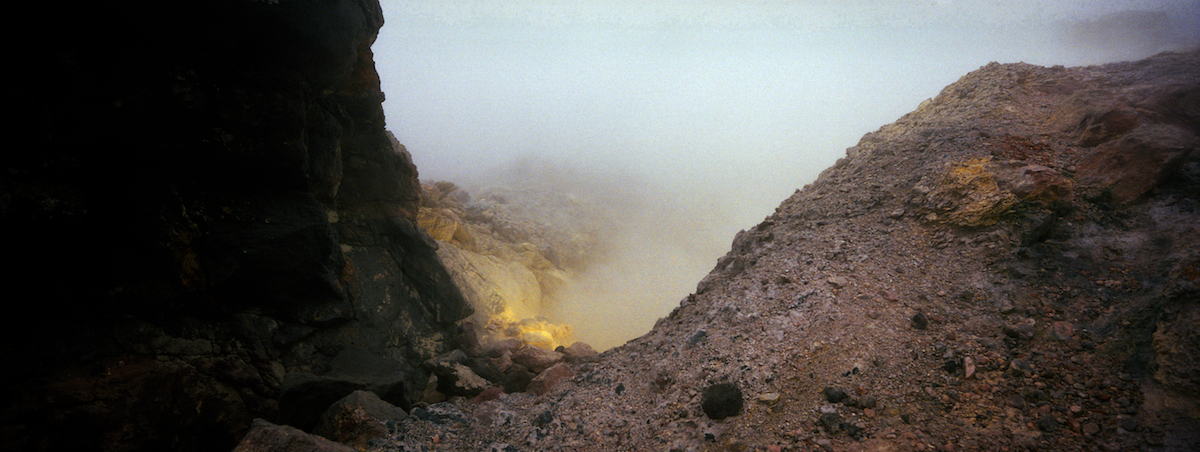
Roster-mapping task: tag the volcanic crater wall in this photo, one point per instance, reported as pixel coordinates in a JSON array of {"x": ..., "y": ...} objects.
[{"x": 206, "y": 212}]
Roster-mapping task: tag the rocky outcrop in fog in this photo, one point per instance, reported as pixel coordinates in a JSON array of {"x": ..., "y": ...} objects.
[
  {"x": 210, "y": 224},
  {"x": 512, "y": 251}
]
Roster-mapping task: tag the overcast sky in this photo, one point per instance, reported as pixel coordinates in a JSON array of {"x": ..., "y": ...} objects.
[{"x": 718, "y": 109}]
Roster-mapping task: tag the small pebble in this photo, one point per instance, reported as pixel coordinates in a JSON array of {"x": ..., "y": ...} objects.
[
  {"x": 769, "y": 398},
  {"x": 919, "y": 321},
  {"x": 834, "y": 395}
]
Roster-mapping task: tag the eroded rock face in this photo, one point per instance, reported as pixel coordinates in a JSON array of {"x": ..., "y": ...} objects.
[
  {"x": 512, "y": 251},
  {"x": 205, "y": 198}
]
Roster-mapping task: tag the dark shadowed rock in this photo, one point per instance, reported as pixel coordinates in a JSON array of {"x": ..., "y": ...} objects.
[
  {"x": 222, "y": 171},
  {"x": 485, "y": 368},
  {"x": 517, "y": 379},
  {"x": 721, "y": 400},
  {"x": 830, "y": 422},
  {"x": 834, "y": 395},
  {"x": 305, "y": 397},
  {"x": 1047, "y": 424},
  {"x": 919, "y": 321},
  {"x": 267, "y": 437},
  {"x": 357, "y": 419}
]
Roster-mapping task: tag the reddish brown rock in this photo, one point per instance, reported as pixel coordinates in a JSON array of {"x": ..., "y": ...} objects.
[
  {"x": 1063, "y": 330},
  {"x": 1096, "y": 117},
  {"x": 492, "y": 393},
  {"x": 579, "y": 352},
  {"x": 537, "y": 359},
  {"x": 1131, "y": 166},
  {"x": 546, "y": 380},
  {"x": 267, "y": 437}
]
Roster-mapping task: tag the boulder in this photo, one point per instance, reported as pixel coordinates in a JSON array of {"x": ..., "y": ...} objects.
[
  {"x": 304, "y": 397},
  {"x": 721, "y": 400},
  {"x": 546, "y": 380},
  {"x": 1129, "y": 167},
  {"x": 357, "y": 419},
  {"x": 458, "y": 379},
  {"x": 579, "y": 353},
  {"x": 267, "y": 437},
  {"x": 536, "y": 359},
  {"x": 497, "y": 288},
  {"x": 517, "y": 379}
]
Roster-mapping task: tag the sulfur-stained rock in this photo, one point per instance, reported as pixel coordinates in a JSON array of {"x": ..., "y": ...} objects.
[
  {"x": 440, "y": 224},
  {"x": 981, "y": 192},
  {"x": 500, "y": 289}
]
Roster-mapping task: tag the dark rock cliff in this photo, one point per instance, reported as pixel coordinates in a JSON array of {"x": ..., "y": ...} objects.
[{"x": 201, "y": 203}]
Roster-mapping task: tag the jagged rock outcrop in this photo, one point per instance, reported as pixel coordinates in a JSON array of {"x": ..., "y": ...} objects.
[
  {"x": 1011, "y": 266},
  {"x": 511, "y": 251},
  {"x": 202, "y": 201}
]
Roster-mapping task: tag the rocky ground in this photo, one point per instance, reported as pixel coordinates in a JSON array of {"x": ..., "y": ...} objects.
[{"x": 1012, "y": 266}]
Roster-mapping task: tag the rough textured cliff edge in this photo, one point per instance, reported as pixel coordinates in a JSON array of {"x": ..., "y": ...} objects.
[
  {"x": 210, "y": 224},
  {"x": 1012, "y": 266}
]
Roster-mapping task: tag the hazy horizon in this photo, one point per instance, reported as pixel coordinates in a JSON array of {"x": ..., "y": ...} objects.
[{"x": 718, "y": 109}]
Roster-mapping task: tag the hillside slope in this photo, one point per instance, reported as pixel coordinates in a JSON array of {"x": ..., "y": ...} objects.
[{"x": 1011, "y": 266}]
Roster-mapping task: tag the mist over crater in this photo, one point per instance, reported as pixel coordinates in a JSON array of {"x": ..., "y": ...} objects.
[{"x": 692, "y": 121}]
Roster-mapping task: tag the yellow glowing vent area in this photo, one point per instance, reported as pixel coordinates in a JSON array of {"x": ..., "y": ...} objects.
[{"x": 560, "y": 256}]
